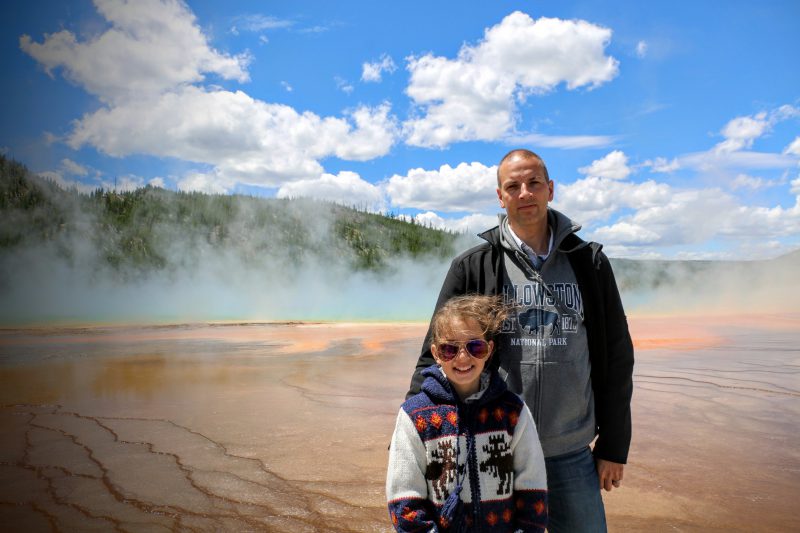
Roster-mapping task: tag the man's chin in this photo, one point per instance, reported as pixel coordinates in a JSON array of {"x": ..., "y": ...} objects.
[{"x": 529, "y": 215}]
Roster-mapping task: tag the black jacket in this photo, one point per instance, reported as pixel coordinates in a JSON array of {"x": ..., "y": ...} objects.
[{"x": 480, "y": 270}]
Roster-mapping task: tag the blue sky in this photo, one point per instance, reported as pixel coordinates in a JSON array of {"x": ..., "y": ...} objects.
[{"x": 671, "y": 129}]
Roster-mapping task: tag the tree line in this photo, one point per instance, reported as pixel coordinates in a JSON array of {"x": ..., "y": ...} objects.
[{"x": 154, "y": 228}]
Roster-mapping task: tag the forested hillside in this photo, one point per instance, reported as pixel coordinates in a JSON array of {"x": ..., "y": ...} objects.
[
  {"x": 152, "y": 252},
  {"x": 152, "y": 228}
]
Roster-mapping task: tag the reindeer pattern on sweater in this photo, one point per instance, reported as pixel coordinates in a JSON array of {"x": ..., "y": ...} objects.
[{"x": 489, "y": 444}]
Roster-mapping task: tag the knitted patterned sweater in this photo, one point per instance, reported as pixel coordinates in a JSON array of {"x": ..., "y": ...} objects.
[{"x": 488, "y": 446}]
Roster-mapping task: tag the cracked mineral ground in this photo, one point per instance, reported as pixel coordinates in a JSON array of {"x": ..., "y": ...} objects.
[{"x": 285, "y": 426}]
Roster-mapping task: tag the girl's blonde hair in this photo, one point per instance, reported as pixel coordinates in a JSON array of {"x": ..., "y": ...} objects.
[{"x": 488, "y": 312}]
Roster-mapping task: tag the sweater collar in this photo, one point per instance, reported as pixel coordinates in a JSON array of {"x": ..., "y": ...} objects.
[{"x": 438, "y": 388}]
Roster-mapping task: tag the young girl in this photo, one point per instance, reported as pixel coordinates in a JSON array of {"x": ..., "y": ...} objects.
[{"x": 465, "y": 455}]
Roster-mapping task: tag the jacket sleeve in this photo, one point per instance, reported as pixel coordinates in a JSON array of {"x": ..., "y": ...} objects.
[
  {"x": 530, "y": 477},
  {"x": 614, "y": 419},
  {"x": 406, "y": 487},
  {"x": 453, "y": 285}
]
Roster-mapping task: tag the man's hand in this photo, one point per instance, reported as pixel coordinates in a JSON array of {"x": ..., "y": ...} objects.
[{"x": 610, "y": 474}]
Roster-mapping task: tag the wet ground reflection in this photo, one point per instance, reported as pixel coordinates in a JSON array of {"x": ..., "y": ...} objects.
[{"x": 284, "y": 427}]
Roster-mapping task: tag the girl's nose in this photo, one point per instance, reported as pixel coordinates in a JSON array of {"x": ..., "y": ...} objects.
[{"x": 462, "y": 350}]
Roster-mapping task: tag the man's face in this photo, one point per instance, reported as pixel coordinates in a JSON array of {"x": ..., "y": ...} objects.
[{"x": 524, "y": 192}]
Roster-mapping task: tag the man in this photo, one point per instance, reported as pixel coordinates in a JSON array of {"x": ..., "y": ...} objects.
[{"x": 567, "y": 351}]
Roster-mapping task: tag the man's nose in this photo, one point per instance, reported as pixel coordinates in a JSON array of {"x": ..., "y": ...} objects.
[{"x": 525, "y": 190}]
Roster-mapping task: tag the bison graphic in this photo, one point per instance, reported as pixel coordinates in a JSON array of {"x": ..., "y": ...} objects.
[{"x": 533, "y": 319}]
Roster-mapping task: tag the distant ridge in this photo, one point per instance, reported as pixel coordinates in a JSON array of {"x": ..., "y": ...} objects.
[
  {"x": 156, "y": 229},
  {"x": 790, "y": 258},
  {"x": 655, "y": 274},
  {"x": 151, "y": 229}
]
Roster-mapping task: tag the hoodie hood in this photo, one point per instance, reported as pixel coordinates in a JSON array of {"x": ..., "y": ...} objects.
[
  {"x": 438, "y": 388},
  {"x": 561, "y": 225}
]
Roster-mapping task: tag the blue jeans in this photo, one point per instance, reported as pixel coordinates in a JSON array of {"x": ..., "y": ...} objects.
[{"x": 573, "y": 493}]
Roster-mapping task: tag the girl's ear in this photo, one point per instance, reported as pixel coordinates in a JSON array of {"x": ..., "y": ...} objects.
[
  {"x": 435, "y": 352},
  {"x": 491, "y": 348}
]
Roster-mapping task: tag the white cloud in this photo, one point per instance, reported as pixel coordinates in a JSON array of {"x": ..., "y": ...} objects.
[
  {"x": 470, "y": 224},
  {"x": 374, "y": 134},
  {"x": 152, "y": 46},
  {"x": 613, "y": 166},
  {"x": 785, "y": 112},
  {"x": 740, "y": 132},
  {"x": 124, "y": 183},
  {"x": 209, "y": 183},
  {"x": 345, "y": 188},
  {"x": 121, "y": 183},
  {"x": 467, "y": 187},
  {"x": 74, "y": 168},
  {"x": 372, "y": 72},
  {"x": 257, "y": 23},
  {"x": 691, "y": 217},
  {"x": 794, "y": 147},
  {"x": 714, "y": 161},
  {"x": 685, "y": 217},
  {"x": 595, "y": 199},
  {"x": 744, "y": 181},
  {"x": 641, "y": 49},
  {"x": 315, "y": 29},
  {"x": 247, "y": 140},
  {"x": 661, "y": 165},
  {"x": 474, "y": 96},
  {"x": 757, "y": 223},
  {"x": 147, "y": 68},
  {"x": 795, "y": 188},
  {"x": 343, "y": 85},
  {"x": 733, "y": 156},
  {"x": 286, "y": 86},
  {"x": 57, "y": 178},
  {"x": 626, "y": 233},
  {"x": 567, "y": 142},
  {"x": 74, "y": 175},
  {"x": 428, "y": 218},
  {"x": 650, "y": 218}
]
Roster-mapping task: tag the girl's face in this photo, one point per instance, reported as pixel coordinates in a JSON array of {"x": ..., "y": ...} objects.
[{"x": 464, "y": 370}]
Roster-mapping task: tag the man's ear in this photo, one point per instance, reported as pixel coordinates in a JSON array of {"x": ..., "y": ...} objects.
[{"x": 500, "y": 197}]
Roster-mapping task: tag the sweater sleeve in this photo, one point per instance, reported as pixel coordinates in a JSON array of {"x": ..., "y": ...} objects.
[
  {"x": 530, "y": 476},
  {"x": 406, "y": 487}
]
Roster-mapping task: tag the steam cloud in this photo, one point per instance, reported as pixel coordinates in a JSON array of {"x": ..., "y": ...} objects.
[
  {"x": 252, "y": 278},
  {"x": 249, "y": 277}
]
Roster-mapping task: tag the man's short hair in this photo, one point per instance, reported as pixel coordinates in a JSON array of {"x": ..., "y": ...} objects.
[{"x": 522, "y": 153}]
